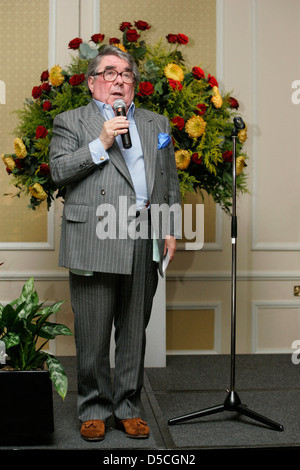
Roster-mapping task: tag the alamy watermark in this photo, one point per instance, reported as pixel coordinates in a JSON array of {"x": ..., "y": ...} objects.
[
  {"x": 296, "y": 353},
  {"x": 124, "y": 221},
  {"x": 296, "y": 94}
]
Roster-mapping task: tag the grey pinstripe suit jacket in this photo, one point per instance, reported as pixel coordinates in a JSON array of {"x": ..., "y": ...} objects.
[{"x": 89, "y": 185}]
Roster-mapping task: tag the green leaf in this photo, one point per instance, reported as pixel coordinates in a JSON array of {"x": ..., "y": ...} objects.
[
  {"x": 139, "y": 52},
  {"x": 47, "y": 311},
  {"x": 9, "y": 315},
  {"x": 11, "y": 340},
  {"x": 86, "y": 52},
  {"x": 57, "y": 375},
  {"x": 51, "y": 330}
]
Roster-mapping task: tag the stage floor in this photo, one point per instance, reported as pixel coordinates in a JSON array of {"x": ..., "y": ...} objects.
[{"x": 268, "y": 384}]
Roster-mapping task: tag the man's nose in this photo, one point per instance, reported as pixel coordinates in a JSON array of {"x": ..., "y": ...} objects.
[{"x": 119, "y": 80}]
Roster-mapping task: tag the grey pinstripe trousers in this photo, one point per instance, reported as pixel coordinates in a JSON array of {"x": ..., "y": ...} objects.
[{"x": 97, "y": 302}]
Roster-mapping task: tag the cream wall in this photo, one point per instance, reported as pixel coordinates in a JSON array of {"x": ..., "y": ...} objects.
[{"x": 255, "y": 54}]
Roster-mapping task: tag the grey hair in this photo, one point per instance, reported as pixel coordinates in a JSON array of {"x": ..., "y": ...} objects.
[{"x": 113, "y": 50}]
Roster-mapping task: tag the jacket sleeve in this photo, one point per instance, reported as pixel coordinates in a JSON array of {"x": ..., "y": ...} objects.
[{"x": 70, "y": 157}]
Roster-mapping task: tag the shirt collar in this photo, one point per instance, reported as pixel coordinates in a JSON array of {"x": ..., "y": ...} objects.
[{"x": 103, "y": 107}]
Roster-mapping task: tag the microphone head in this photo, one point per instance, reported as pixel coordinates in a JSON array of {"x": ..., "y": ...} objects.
[{"x": 119, "y": 104}]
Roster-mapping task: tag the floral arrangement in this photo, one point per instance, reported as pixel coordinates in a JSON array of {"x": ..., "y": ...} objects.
[{"x": 200, "y": 116}]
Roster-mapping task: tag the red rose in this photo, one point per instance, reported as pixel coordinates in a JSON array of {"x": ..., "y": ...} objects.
[
  {"x": 47, "y": 105},
  {"x": 227, "y": 156},
  {"x": 182, "y": 39},
  {"x": 114, "y": 41},
  {"x": 233, "y": 103},
  {"x": 96, "y": 38},
  {"x": 46, "y": 87},
  {"x": 44, "y": 169},
  {"x": 36, "y": 92},
  {"x": 77, "y": 79},
  {"x": 142, "y": 25},
  {"x": 175, "y": 84},
  {"x": 125, "y": 25},
  {"x": 212, "y": 81},
  {"x": 75, "y": 43},
  {"x": 200, "y": 109},
  {"x": 19, "y": 163},
  {"x": 9, "y": 172},
  {"x": 45, "y": 76},
  {"x": 196, "y": 159},
  {"x": 145, "y": 89},
  {"x": 178, "y": 122},
  {"x": 172, "y": 38},
  {"x": 41, "y": 132},
  {"x": 132, "y": 35},
  {"x": 198, "y": 73}
]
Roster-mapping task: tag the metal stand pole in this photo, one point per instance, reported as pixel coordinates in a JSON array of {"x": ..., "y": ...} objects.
[{"x": 232, "y": 401}]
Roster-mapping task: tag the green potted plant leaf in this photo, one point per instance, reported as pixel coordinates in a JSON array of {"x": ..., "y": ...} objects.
[{"x": 28, "y": 370}]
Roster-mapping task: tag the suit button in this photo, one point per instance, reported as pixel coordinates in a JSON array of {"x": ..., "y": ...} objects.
[
  {"x": 103, "y": 192},
  {"x": 161, "y": 172}
]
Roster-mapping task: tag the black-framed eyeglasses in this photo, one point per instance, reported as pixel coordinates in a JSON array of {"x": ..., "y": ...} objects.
[{"x": 111, "y": 75}]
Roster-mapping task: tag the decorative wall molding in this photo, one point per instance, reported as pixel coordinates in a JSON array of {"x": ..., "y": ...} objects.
[
  {"x": 216, "y": 307},
  {"x": 256, "y": 79},
  {"x": 32, "y": 246},
  {"x": 241, "y": 276},
  {"x": 272, "y": 304},
  {"x": 63, "y": 275}
]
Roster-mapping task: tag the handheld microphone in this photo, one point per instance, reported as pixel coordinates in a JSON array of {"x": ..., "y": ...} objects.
[{"x": 120, "y": 107}]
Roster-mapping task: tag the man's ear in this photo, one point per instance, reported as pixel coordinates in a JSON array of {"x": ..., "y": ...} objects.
[{"x": 91, "y": 84}]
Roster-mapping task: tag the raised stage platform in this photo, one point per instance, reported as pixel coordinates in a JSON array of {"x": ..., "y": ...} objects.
[{"x": 268, "y": 384}]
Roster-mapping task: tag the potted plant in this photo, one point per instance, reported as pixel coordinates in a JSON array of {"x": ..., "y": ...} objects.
[{"x": 28, "y": 373}]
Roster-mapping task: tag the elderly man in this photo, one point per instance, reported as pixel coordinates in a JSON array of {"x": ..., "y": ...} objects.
[{"x": 113, "y": 275}]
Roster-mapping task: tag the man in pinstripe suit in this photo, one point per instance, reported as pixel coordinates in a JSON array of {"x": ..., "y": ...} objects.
[{"x": 113, "y": 277}]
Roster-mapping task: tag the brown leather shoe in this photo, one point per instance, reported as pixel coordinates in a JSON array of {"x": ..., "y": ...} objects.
[
  {"x": 134, "y": 427},
  {"x": 93, "y": 430}
]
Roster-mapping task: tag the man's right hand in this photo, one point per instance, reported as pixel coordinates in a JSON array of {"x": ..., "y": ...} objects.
[{"x": 112, "y": 128}]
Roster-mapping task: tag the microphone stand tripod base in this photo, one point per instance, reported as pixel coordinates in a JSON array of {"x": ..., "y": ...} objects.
[{"x": 231, "y": 403}]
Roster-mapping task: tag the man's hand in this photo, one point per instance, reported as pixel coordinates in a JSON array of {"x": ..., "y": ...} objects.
[
  {"x": 170, "y": 245},
  {"x": 112, "y": 128}
]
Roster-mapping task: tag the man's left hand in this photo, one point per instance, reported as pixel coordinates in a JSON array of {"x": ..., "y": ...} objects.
[{"x": 170, "y": 245}]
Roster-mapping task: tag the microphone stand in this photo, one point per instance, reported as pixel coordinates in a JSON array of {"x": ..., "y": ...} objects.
[{"x": 232, "y": 401}]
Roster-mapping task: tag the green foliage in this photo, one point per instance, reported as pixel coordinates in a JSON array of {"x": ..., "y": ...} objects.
[{"x": 22, "y": 323}]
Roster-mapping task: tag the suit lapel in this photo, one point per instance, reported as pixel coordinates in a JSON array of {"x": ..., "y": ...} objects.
[
  {"x": 149, "y": 138},
  {"x": 93, "y": 122}
]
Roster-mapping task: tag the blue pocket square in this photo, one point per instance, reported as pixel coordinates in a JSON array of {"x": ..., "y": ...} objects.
[{"x": 163, "y": 140}]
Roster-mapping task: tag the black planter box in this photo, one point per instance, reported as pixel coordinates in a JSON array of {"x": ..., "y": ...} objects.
[{"x": 26, "y": 403}]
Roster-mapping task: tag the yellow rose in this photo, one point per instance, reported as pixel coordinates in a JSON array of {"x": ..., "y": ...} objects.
[
  {"x": 182, "y": 158},
  {"x": 8, "y": 161},
  {"x": 55, "y": 76},
  {"x": 174, "y": 72},
  {"x": 120, "y": 46},
  {"x": 217, "y": 98},
  {"x": 195, "y": 127},
  {"x": 37, "y": 191},
  {"x": 242, "y": 135},
  {"x": 240, "y": 163},
  {"x": 20, "y": 148}
]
